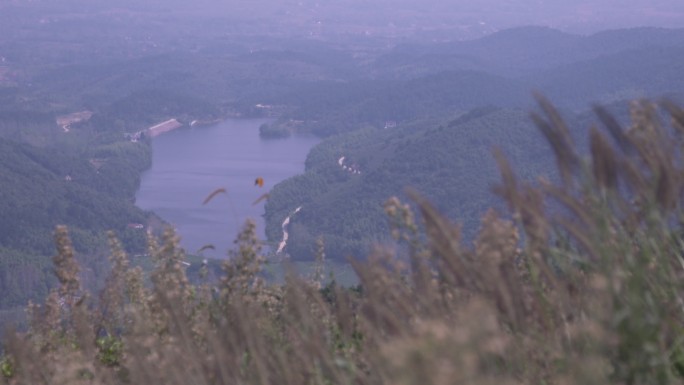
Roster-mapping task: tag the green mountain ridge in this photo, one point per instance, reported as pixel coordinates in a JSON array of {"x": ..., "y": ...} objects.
[
  {"x": 330, "y": 109},
  {"x": 46, "y": 187},
  {"x": 640, "y": 73},
  {"x": 522, "y": 51},
  {"x": 450, "y": 164}
]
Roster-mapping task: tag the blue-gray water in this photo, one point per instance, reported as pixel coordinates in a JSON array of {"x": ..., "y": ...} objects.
[{"x": 188, "y": 164}]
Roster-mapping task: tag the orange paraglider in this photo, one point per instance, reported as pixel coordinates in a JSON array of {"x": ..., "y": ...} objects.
[{"x": 259, "y": 182}]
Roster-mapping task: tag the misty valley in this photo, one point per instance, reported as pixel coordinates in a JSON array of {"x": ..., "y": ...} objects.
[{"x": 413, "y": 163}]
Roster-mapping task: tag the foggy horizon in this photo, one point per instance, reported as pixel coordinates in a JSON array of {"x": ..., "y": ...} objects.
[{"x": 403, "y": 18}]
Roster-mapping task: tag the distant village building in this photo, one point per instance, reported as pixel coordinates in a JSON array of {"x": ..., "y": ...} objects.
[
  {"x": 390, "y": 124},
  {"x": 137, "y": 226},
  {"x": 68, "y": 178},
  {"x": 65, "y": 121}
]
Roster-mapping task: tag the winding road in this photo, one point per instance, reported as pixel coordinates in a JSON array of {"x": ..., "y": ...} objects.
[
  {"x": 286, "y": 222},
  {"x": 351, "y": 169}
]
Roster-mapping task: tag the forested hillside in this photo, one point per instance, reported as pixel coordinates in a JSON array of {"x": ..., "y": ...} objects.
[
  {"x": 46, "y": 187},
  {"x": 638, "y": 73},
  {"x": 450, "y": 163},
  {"x": 330, "y": 109}
]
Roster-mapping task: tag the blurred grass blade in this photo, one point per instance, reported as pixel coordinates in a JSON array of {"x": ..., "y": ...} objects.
[
  {"x": 213, "y": 194},
  {"x": 261, "y": 198}
]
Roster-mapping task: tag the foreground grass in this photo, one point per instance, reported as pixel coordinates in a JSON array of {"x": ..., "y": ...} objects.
[{"x": 582, "y": 286}]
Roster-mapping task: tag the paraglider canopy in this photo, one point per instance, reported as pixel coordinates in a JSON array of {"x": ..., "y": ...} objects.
[{"x": 259, "y": 181}]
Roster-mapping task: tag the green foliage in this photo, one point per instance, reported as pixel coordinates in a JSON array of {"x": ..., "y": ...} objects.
[
  {"x": 270, "y": 131},
  {"x": 7, "y": 369},
  {"x": 89, "y": 189},
  {"x": 23, "y": 276},
  {"x": 47, "y": 187},
  {"x": 110, "y": 350}
]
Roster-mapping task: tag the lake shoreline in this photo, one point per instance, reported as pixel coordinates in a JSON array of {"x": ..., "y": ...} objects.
[{"x": 187, "y": 165}]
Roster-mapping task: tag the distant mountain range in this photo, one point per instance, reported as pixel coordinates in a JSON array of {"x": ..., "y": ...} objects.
[{"x": 525, "y": 50}]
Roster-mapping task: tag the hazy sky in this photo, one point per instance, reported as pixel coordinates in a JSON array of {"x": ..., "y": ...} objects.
[
  {"x": 406, "y": 15},
  {"x": 566, "y": 14}
]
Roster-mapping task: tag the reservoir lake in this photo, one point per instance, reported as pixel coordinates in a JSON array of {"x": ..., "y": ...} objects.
[{"x": 188, "y": 164}]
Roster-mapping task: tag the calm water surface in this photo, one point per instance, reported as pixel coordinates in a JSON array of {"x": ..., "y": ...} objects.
[{"x": 188, "y": 164}]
